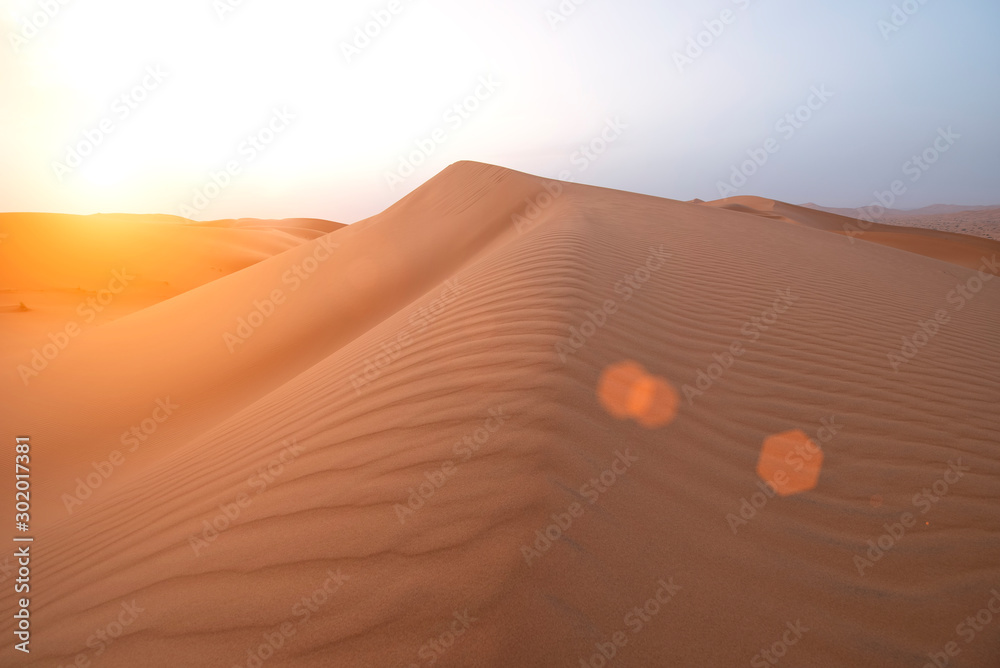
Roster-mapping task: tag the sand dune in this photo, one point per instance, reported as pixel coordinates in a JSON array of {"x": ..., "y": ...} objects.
[
  {"x": 52, "y": 262},
  {"x": 79, "y": 278},
  {"x": 414, "y": 457},
  {"x": 932, "y": 210},
  {"x": 308, "y": 228},
  {"x": 980, "y": 221},
  {"x": 961, "y": 249}
]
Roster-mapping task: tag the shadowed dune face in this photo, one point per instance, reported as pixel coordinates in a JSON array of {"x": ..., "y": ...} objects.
[{"x": 512, "y": 422}]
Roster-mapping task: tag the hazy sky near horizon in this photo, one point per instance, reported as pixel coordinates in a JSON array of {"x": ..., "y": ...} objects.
[{"x": 261, "y": 108}]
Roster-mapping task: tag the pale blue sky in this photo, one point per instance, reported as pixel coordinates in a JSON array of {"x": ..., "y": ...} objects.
[{"x": 548, "y": 90}]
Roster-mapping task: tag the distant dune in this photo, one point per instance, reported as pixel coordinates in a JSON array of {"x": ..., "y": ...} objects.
[
  {"x": 54, "y": 263},
  {"x": 291, "y": 225},
  {"x": 507, "y": 422},
  {"x": 961, "y": 249},
  {"x": 980, "y": 221},
  {"x": 932, "y": 210}
]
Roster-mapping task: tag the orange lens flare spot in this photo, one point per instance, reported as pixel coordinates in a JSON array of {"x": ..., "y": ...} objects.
[
  {"x": 627, "y": 391},
  {"x": 790, "y": 462},
  {"x": 662, "y": 407},
  {"x": 640, "y": 396},
  {"x": 615, "y": 388}
]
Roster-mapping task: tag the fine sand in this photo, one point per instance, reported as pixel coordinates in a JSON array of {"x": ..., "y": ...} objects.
[{"x": 506, "y": 422}]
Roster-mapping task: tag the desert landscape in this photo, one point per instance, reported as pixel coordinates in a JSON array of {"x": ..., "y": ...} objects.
[
  {"x": 535, "y": 334},
  {"x": 369, "y": 471}
]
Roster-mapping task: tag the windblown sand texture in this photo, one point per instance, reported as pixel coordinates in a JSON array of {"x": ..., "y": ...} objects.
[{"x": 536, "y": 352}]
